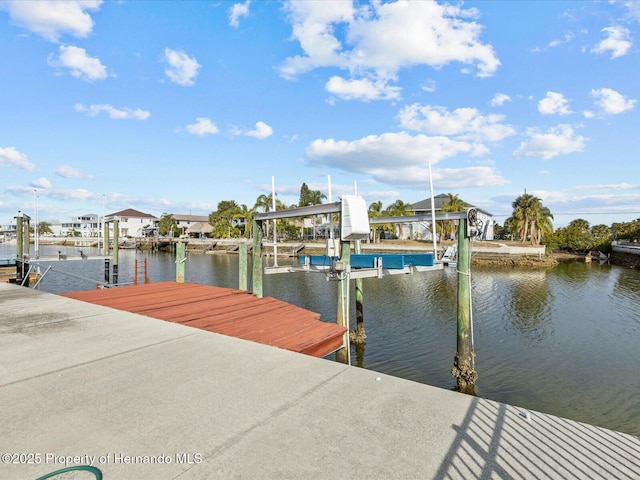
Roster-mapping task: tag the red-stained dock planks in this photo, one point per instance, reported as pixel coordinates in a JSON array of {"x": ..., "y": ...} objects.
[{"x": 224, "y": 310}]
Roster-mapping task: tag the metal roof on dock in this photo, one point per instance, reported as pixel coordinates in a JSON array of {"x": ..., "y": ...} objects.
[{"x": 226, "y": 311}]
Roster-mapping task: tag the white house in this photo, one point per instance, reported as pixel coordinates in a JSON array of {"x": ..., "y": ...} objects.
[
  {"x": 86, "y": 226},
  {"x": 131, "y": 223}
]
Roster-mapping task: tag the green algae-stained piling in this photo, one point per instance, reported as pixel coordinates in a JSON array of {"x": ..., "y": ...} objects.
[
  {"x": 181, "y": 259},
  {"x": 242, "y": 267},
  {"x": 343, "y": 355},
  {"x": 358, "y": 336},
  {"x": 462, "y": 369},
  {"x": 256, "y": 255},
  {"x": 19, "y": 248}
]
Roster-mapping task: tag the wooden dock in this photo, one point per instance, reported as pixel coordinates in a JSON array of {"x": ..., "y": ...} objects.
[{"x": 226, "y": 311}]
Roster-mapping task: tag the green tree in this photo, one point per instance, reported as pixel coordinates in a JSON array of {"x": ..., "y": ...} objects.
[
  {"x": 43, "y": 228},
  {"x": 375, "y": 211},
  {"x": 310, "y": 197},
  {"x": 578, "y": 235},
  {"x": 530, "y": 219},
  {"x": 452, "y": 205},
  {"x": 398, "y": 209},
  {"x": 222, "y": 219},
  {"x": 629, "y": 231},
  {"x": 167, "y": 224},
  {"x": 601, "y": 237}
]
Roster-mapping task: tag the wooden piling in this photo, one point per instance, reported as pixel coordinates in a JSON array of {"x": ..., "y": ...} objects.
[
  {"x": 105, "y": 246},
  {"x": 116, "y": 227},
  {"x": 242, "y": 267},
  {"x": 343, "y": 354},
  {"x": 181, "y": 259},
  {"x": 256, "y": 256},
  {"x": 462, "y": 369},
  {"x": 19, "y": 248},
  {"x": 358, "y": 335}
]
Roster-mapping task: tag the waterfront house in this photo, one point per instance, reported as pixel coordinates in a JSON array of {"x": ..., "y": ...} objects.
[
  {"x": 131, "y": 223},
  {"x": 185, "y": 222}
]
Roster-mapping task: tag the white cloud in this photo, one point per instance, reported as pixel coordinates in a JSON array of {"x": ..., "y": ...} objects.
[
  {"x": 401, "y": 159},
  {"x": 588, "y": 114},
  {"x": 611, "y": 102},
  {"x": 203, "y": 126},
  {"x": 429, "y": 85},
  {"x": 463, "y": 123},
  {"x": 51, "y": 19},
  {"x": 567, "y": 38},
  {"x": 261, "y": 131},
  {"x": 82, "y": 66},
  {"x": 554, "y": 104},
  {"x": 237, "y": 11},
  {"x": 614, "y": 186},
  {"x": 10, "y": 157},
  {"x": 388, "y": 151},
  {"x": 362, "y": 89},
  {"x": 500, "y": 99},
  {"x": 114, "y": 113},
  {"x": 181, "y": 68},
  {"x": 382, "y": 38},
  {"x": 633, "y": 10},
  {"x": 556, "y": 141},
  {"x": 42, "y": 183},
  {"x": 618, "y": 42},
  {"x": 65, "y": 171}
]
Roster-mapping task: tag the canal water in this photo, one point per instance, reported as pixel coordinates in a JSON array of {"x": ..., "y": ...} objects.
[{"x": 564, "y": 341}]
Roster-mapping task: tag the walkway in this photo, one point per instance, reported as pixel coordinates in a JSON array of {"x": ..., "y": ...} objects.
[
  {"x": 144, "y": 400},
  {"x": 226, "y": 311}
]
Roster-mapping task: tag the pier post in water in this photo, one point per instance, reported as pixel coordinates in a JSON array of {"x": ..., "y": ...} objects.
[
  {"x": 343, "y": 355},
  {"x": 19, "y": 248},
  {"x": 116, "y": 227},
  {"x": 463, "y": 369},
  {"x": 181, "y": 258},
  {"x": 358, "y": 335},
  {"x": 256, "y": 256},
  {"x": 105, "y": 246},
  {"x": 242, "y": 267}
]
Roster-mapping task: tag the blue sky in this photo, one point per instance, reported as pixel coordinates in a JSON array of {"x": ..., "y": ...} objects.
[{"x": 174, "y": 106}]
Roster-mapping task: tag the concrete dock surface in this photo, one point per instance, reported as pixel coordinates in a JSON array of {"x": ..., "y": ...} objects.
[{"x": 141, "y": 398}]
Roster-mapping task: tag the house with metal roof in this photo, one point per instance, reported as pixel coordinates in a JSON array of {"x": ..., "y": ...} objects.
[{"x": 131, "y": 223}]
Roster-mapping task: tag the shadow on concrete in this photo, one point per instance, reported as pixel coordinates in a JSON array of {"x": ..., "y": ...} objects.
[{"x": 498, "y": 441}]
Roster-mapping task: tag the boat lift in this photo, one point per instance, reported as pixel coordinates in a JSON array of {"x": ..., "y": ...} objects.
[{"x": 341, "y": 265}]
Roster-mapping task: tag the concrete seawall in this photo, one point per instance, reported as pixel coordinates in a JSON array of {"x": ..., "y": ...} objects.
[{"x": 147, "y": 399}]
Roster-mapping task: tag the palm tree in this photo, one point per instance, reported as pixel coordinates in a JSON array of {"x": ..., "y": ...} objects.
[
  {"x": 398, "y": 209},
  {"x": 453, "y": 204},
  {"x": 530, "y": 219},
  {"x": 375, "y": 210}
]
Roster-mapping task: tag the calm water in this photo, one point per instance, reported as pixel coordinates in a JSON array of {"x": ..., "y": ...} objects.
[{"x": 564, "y": 341}]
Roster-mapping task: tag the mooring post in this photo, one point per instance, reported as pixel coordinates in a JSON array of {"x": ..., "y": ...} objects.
[
  {"x": 105, "y": 246},
  {"x": 19, "y": 248},
  {"x": 342, "y": 266},
  {"x": 242, "y": 267},
  {"x": 116, "y": 247},
  {"x": 358, "y": 335},
  {"x": 256, "y": 256},
  {"x": 106, "y": 270},
  {"x": 181, "y": 258},
  {"x": 462, "y": 369}
]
